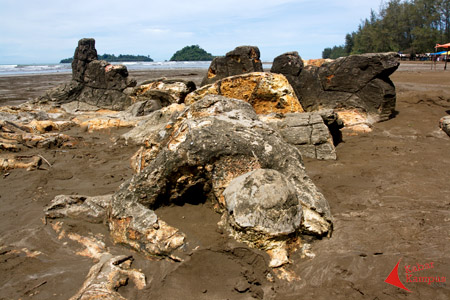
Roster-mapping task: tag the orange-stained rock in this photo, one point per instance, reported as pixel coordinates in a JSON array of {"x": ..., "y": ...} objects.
[
  {"x": 17, "y": 162},
  {"x": 104, "y": 119},
  {"x": 355, "y": 121},
  {"x": 99, "y": 124},
  {"x": 176, "y": 90},
  {"x": 444, "y": 124},
  {"x": 48, "y": 125},
  {"x": 15, "y": 135},
  {"x": 105, "y": 277},
  {"x": 266, "y": 92},
  {"x": 316, "y": 62},
  {"x": 143, "y": 231}
]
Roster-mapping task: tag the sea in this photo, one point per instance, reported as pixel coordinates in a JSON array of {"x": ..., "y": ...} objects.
[{"x": 29, "y": 69}]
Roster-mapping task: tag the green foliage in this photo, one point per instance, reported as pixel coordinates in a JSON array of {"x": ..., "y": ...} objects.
[
  {"x": 66, "y": 60},
  {"x": 335, "y": 52},
  {"x": 413, "y": 26},
  {"x": 113, "y": 58},
  {"x": 192, "y": 53},
  {"x": 340, "y": 51}
]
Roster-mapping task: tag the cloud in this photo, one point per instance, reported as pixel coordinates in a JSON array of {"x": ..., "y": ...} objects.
[{"x": 48, "y": 30}]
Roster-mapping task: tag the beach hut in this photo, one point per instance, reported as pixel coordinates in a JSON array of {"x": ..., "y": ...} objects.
[{"x": 445, "y": 46}]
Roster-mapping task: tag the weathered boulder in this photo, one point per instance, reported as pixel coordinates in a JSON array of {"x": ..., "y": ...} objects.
[
  {"x": 212, "y": 142},
  {"x": 306, "y": 131},
  {"x": 84, "y": 54},
  {"x": 262, "y": 210},
  {"x": 356, "y": 82},
  {"x": 153, "y": 95},
  {"x": 243, "y": 59},
  {"x": 176, "y": 90},
  {"x": 100, "y": 74},
  {"x": 444, "y": 124},
  {"x": 95, "y": 82},
  {"x": 263, "y": 201},
  {"x": 288, "y": 64},
  {"x": 266, "y": 92}
]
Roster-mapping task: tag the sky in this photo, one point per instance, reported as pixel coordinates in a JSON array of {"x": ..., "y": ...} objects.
[{"x": 46, "y": 31}]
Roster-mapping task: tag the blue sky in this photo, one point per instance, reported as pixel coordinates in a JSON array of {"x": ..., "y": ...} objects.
[{"x": 46, "y": 31}]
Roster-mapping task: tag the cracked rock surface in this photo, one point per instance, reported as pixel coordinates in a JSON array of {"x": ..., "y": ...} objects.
[
  {"x": 209, "y": 144},
  {"x": 356, "y": 82}
]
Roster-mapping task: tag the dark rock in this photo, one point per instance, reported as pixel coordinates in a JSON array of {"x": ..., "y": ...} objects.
[
  {"x": 95, "y": 82},
  {"x": 84, "y": 54},
  {"x": 334, "y": 124},
  {"x": 242, "y": 286},
  {"x": 360, "y": 69},
  {"x": 355, "y": 82},
  {"x": 100, "y": 74},
  {"x": 288, "y": 64},
  {"x": 243, "y": 59}
]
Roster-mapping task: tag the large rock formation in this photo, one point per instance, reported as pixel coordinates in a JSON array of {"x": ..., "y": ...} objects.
[
  {"x": 194, "y": 158},
  {"x": 356, "y": 82},
  {"x": 95, "y": 82},
  {"x": 243, "y": 59},
  {"x": 266, "y": 92}
]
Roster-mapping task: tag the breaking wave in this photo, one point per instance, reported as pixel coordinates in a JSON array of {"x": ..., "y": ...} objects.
[{"x": 67, "y": 68}]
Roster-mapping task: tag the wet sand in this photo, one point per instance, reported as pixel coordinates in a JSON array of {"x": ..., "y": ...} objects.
[{"x": 389, "y": 193}]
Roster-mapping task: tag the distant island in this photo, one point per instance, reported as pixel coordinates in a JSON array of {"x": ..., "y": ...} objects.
[
  {"x": 192, "y": 53},
  {"x": 113, "y": 58}
]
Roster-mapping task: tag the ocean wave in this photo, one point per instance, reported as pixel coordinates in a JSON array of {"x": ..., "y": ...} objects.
[
  {"x": 166, "y": 65},
  {"x": 34, "y": 69},
  {"x": 23, "y": 69}
]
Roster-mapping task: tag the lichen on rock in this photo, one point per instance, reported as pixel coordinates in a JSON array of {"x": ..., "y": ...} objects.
[
  {"x": 206, "y": 147},
  {"x": 266, "y": 92}
]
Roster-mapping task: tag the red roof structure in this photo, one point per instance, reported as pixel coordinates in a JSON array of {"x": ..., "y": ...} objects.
[{"x": 443, "y": 46}]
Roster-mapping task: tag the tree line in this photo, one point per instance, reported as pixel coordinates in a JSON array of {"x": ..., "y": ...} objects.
[
  {"x": 113, "y": 58},
  {"x": 410, "y": 27}
]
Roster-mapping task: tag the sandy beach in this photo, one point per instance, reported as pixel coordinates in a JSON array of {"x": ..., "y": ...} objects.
[{"x": 389, "y": 193}]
